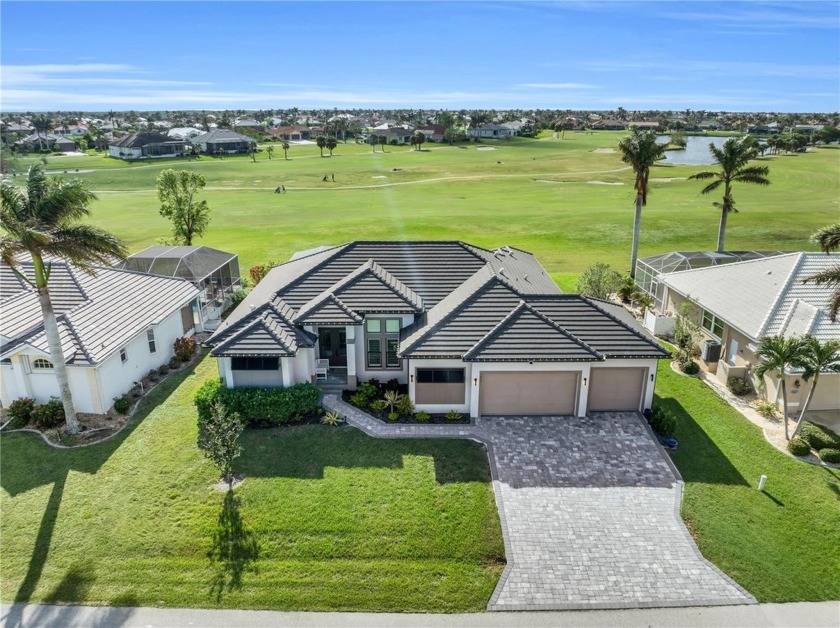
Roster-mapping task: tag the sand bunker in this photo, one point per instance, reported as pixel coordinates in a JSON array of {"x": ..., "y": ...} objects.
[
  {"x": 668, "y": 179},
  {"x": 380, "y": 176},
  {"x": 604, "y": 150},
  {"x": 604, "y": 183},
  {"x": 486, "y": 148},
  {"x": 546, "y": 181}
]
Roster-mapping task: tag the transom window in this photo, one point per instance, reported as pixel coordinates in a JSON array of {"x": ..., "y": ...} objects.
[
  {"x": 383, "y": 343},
  {"x": 40, "y": 364},
  {"x": 440, "y": 376},
  {"x": 150, "y": 336},
  {"x": 712, "y": 324},
  {"x": 255, "y": 364}
]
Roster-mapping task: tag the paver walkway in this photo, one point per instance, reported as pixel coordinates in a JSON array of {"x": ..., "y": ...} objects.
[{"x": 589, "y": 509}]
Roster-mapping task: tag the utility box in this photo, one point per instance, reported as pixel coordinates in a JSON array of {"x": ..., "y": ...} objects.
[{"x": 711, "y": 351}]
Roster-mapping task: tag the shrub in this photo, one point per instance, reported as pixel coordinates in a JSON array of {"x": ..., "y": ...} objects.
[
  {"x": 122, "y": 404},
  {"x": 599, "y": 280},
  {"x": 50, "y": 414},
  {"x": 627, "y": 288},
  {"x": 185, "y": 348},
  {"x": 331, "y": 418},
  {"x": 819, "y": 437},
  {"x": 393, "y": 416},
  {"x": 662, "y": 421},
  {"x": 689, "y": 367},
  {"x": 766, "y": 409},
  {"x": 152, "y": 376},
  {"x": 260, "y": 407},
  {"x": 20, "y": 412},
  {"x": 422, "y": 417},
  {"x": 829, "y": 454},
  {"x": 405, "y": 405},
  {"x": 392, "y": 399},
  {"x": 392, "y": 384},
  {"x": 360, "y": 401},
  {"x": 738, "y": 386},
  {"x": 163, "y": 370},
  {"x": 453, "y": 415},
  {"x": 798, "y": 447},
  {"x": 237, "y": 297},
  {"x": 378, "y": 406},
  {"x": 175, "y": 362}
]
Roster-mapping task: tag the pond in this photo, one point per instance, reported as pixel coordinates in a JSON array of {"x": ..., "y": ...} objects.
[{"x": 696, "y": 151}]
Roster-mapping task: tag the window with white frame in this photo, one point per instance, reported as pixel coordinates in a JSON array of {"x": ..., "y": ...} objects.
[
  {"x": 40, "y": 364},
  {"x": 150, "y": 336},
  {"x": 123, "y": 355},
  {"x": 382, "y": 340},
  {"x": 712, "y": 324}
]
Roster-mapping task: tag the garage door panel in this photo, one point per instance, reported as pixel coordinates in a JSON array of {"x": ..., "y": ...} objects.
[
  {"x": 616, "y": 389},
  {"x": 523, "y": 392}
]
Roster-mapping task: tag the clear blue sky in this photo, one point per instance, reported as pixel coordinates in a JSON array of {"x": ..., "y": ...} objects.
[{"x": 733, "y": 56}]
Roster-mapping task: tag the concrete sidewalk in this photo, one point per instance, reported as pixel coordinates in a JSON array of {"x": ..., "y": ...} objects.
[{"x": 811, "y": 614}]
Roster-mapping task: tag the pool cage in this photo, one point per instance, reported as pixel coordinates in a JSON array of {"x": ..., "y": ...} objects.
[
  {"x": 214, "y": 272},
  {"x": 649, "y": 269}
]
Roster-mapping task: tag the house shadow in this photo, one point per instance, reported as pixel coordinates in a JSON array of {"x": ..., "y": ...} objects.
[
  {"x": 698, "y": 458},
  {"x": 234, "y": 549},
  {"x": 303, "y": 452},
  {"x": 23, "y": 467}
]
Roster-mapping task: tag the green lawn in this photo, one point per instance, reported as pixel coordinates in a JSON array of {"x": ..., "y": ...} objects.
[
  {"x": 327, "y": 519},
  {"x": 783, "y": 544},
  {"x": 539, "y": 195}
]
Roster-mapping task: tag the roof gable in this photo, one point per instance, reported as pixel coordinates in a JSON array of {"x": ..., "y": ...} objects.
[
  {"x": 527, "y": 335},
  {"x": 328, "y": 311}
]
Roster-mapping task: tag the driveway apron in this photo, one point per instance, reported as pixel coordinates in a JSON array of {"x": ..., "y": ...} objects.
[{"x": 589, "y": 509}]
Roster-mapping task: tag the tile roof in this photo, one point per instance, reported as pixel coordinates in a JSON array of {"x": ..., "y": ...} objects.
[
  {"x": 267, "y": 330},
  {"x": 468, "y": 303},
  {"x": 761, "y": 297},
  {"x": 220, "y": 135},
  {"x": 97, "y": 313}
]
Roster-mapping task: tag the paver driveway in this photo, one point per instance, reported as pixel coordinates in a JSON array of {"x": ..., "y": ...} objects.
[{"x": 589, "y": 509}]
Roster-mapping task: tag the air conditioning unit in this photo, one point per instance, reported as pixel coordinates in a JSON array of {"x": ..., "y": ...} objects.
[{"x": 711, "y": 351}]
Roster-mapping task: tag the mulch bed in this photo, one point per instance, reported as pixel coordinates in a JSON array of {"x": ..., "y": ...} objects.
[{"x": 434, "y": 419}]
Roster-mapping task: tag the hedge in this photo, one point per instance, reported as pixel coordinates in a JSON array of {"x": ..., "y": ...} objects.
[
  {"x": 260, "y": 407},
  {"x": 819, "y": 437},
  {"x": 830, "y": 455},
  {"x": 798, "y": 447}
]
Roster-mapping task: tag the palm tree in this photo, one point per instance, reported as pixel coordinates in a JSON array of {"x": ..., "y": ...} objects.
[
  {"x": 372, "y": 139},
  {"x": 331, "y": 144},
  {"x": 383, "y": 140},
  {"x": 418, "y": 139},
  {"x": 777, "y": 353},
  {"x": 817, "y": 357},
  {"x": 285, "y": 146},
  {"x": 829, "y": 240},
  {"x": 321, "y": 141},
  {"x": 270, "y": 150},
  {"x": 732, "y": 159},
  {"x": 641, "y": 151},
  {"x": 40, "y": 222},
  {"x": 42, "y": 124}
]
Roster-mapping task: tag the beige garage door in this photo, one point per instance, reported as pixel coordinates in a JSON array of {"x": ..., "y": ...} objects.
[
  {"x": 616, "y": 389},
  {"x": 539, "y": 392}
]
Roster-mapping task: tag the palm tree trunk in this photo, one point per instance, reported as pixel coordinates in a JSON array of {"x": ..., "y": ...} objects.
[
  {"x": 805, "y": 406},
  {"x": 56, "y": 354},
  {"x": 637, "y": 226},
  {"x": 785, "y": 407},
  {"x": 722, "y": 229}
]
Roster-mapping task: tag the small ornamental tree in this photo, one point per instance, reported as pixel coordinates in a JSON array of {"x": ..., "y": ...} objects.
[
  {"x": 218, "y": 438},
  {"x": 599, "y": 280},
  {"x": 177, "y": 192}
]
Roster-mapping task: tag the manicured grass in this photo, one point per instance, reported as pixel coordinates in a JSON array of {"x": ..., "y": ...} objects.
[
  {"x": 535, "y": 194},
  {"x": 782, "y": 544},
  {"x": 327, "y": 519}
]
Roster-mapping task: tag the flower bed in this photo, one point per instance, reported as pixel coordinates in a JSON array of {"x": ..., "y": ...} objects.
[{"x": 390, "y": 403}]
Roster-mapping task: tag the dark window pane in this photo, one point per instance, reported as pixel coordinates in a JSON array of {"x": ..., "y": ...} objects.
[
  {"x": 391, "y": 359},
  {"x": 440, "y": 376}
]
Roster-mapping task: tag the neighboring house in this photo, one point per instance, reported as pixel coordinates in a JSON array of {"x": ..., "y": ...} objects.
[
  {"x": 184, "y": 132},
  {"x": 222, "y": 141},
  {"x": 644, "y": 126},
  {"x": 149, "y": 145},
  {"x": 710, "y": 125},
  {"x": 290, "y": 133},
  {"x": 115, "y": 327},
  {"x": 396, "y": 135},
  {"x": 433, "y": 132},
  {"x": 490, "y": 131},
  {"x": 739, "y": 304},
  {"x": 249, "y": 124},
  {"x": 214, "y": 272},
  {"x": 48, "y": 140},
  {"x": 469, "y": 329},
  {"x": 609, "y": 125}
]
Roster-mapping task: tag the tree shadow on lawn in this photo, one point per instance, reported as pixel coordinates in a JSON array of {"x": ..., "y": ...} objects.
[
  {"x": 234, "y": 550},
  {"x": 698, "y": 458},
  {"x": 305, "y": 451},
  {"x": 28, "y": 463}
]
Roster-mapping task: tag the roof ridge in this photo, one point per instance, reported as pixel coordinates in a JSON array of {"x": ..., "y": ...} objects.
[
  {"x": 771, "y": 310},
  {"x": 345, "y": 308},
  {"x": 744, "y": 261},
  {"x": 72, "y": 329}
]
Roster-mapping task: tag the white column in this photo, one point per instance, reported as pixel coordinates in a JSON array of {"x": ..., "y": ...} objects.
[
  {"x": 350, "y": 330},
  {"x": 225, "y": 371},
  {"x": 474, "y": 384},
  {"x": 286, "y": 367},
  {"x": 583, "y": 392}
]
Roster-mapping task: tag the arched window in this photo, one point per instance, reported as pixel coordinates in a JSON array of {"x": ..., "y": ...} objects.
[{"x": 42, "y": 364}]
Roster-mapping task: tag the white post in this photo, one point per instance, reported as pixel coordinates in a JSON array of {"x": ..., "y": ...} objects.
[{"x": 761, "y": 482}]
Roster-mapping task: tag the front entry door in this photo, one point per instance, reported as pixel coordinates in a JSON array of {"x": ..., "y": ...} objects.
[{"x": 332, "y": 345}]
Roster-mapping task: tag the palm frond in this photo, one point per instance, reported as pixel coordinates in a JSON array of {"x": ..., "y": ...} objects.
[
  {"x": 706, "y": 174},
  {"x": 828, "y": 238},
  {"x": 830, "y": 276},
  {"x": 65, "y": 203},
  {"x": 714, "y": 185},
  {"x": 86, "y": 246}
]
